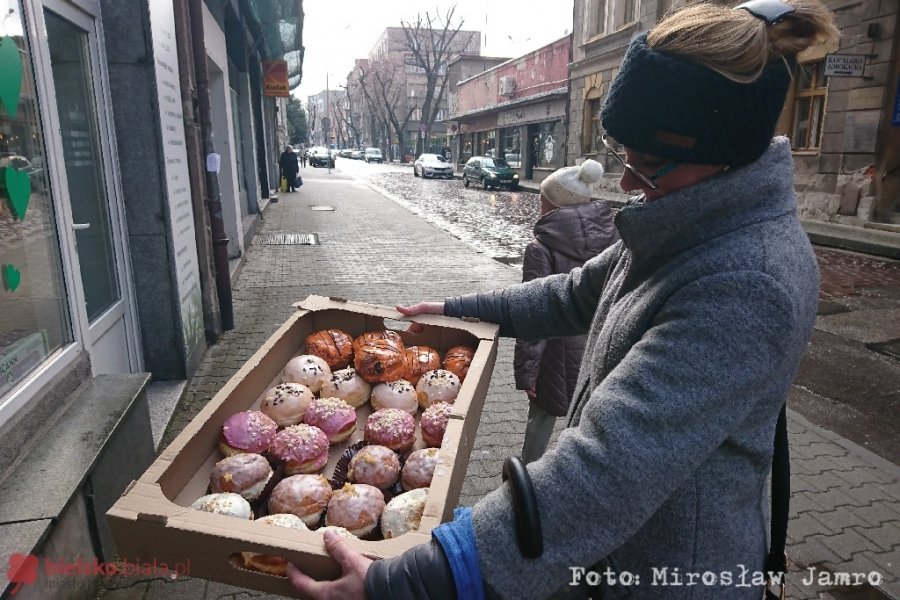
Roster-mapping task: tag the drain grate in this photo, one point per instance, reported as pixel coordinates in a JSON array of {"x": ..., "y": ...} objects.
[{"x": 286, "y": 239}]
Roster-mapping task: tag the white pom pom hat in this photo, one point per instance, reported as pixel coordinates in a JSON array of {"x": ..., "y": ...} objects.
[{"x": 572, "y": 185}]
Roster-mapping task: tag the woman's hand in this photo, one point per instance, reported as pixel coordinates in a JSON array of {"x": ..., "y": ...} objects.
[
  {"x": 422, "y": 308},
  {"x": 351, "y": 585}
]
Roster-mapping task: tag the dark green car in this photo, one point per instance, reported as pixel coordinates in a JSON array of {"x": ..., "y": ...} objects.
[{"x": 490, "y": 173}]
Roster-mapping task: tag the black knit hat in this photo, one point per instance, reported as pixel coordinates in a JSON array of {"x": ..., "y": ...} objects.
[{"x": 675, "y": 108}]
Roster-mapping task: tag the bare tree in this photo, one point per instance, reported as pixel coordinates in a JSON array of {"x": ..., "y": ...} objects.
[
  {"x": 430, "y": 44},
  {"x": 387, "y": 97},
  {"x": 352, "y": 116}
]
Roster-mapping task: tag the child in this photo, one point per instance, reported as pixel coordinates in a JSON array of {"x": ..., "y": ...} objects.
[{"x": 571, "y": 230}]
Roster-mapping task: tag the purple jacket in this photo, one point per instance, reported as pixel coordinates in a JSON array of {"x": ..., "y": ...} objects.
[{"x": 564, "y": 239}]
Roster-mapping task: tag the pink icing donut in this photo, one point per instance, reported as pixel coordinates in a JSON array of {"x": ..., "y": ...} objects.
[
  {"x": 434, "y": 423},
  {"x": 333, "y": 416},
  {"x": 302, "y": 448},
  {"x": 391, "y": 427},
  {"x": 375, "y": 465},
  {"x": 248, "y": 431}
]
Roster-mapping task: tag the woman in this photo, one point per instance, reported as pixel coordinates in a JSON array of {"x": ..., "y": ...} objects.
[
  {"x": 696, "y": 323},
  {"x": 289, "y": 167}
]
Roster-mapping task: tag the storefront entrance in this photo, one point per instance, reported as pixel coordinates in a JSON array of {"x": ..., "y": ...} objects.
[{"x": 82, "y": 167}]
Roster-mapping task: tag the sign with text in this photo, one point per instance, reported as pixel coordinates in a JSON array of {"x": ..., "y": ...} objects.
[
  {"x": 535, "y": 113},
  {"x": 845, "y": 65},
  {"x": 275, "y": 78}
]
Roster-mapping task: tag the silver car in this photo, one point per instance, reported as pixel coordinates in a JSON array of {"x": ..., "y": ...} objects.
[{"x": 432, "y": 165}]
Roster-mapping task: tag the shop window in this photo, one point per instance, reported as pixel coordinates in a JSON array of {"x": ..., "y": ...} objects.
[
  {"x": 33, "y": 300},
  {"x": 808, "y": 106},
  {"x": 547, "y": 150},
  {"x": 467, "y": 144},
  {"x": 509, "y": 140},
  {"x": 488, "y": 143}
]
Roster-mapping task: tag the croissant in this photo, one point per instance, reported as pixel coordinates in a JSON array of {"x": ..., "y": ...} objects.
[
  {"x": 380, "y": 361},
  {"x": 387, "y": 334},
  {"x": 420, "y": 360},
  {"x": 458, "y": 359},
  {"x": 331, "y": 345}
]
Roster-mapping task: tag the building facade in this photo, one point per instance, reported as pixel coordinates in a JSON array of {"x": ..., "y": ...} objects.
[
  {"x": 842, "y": 112},
  {"x": 105, "y": 243},
  {"x": 517, "y": 111}
]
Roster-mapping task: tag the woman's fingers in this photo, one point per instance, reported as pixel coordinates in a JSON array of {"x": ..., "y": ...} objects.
[
  {"x": 422, "y": 308},
  {"x": 351, "y": 585}
]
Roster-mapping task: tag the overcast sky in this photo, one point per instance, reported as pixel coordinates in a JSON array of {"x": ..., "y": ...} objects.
[{"x": 336, "y": 32}]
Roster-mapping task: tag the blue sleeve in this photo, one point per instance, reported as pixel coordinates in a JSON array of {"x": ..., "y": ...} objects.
[{"x": 457, "y": 538}]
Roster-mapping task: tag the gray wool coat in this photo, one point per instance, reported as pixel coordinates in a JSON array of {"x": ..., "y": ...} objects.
[
  {"x": 564, "y": 238},
  {"x": 696, "y": 323}
]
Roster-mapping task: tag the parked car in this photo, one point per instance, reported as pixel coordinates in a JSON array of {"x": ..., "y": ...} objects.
[
  {"x": 319, "y": 156},
  {"x": 432, "y": 165},
  {"x": 513, "y": 160},
  {"x": 334, "y": 152},
  {"x": 373, "y": 155},
  {"x": 346, "y": 152},
  {"x": 490, "y": 173},
  {"x": 357, "y": 155}
]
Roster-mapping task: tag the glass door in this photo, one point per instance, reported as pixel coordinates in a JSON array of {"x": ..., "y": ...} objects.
[{"x": 84, "y": 150}]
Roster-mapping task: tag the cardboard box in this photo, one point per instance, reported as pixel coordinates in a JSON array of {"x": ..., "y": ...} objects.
[{"x": 152, "y": 521}]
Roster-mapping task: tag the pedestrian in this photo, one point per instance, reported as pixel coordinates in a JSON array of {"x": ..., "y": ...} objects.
[
  {"x": 571, "y": 230},
  {"x": 289, "y": 167},
  {"x": 696, "y": 323},
  {"x": 303, "y": 156}
]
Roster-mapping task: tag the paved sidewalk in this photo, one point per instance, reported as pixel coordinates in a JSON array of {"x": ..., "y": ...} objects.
[{"x": 846, "y": 502}]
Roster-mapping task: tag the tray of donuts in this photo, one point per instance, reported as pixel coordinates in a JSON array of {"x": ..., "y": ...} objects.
[{"x": 350, "y": 418}]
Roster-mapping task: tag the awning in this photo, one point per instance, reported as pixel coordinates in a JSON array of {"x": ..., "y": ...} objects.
[{"x": 281, "y": 23}]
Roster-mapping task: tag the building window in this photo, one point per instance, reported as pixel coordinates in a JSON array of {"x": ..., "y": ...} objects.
[
  {"x": 33, "y": 300},
  {"x": 608, "y": 16},
  {"x": 509, "y": 140},
  {"x": 466, "y": 150},
  {"x": 808, "y": 110},
  {"x": 590, "y": 143}
]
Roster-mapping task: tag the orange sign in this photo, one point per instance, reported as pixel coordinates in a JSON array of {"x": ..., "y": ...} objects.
[{"x": 275, "y": 78}]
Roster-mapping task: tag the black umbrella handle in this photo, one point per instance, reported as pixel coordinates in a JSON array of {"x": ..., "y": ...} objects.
[{"x": 528, "y": 520}]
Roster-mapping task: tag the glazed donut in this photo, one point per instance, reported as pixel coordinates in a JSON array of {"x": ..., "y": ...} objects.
[
  {"x": 333, "y": 416},
  {"x": 331, "y": 345},
  {"x": 457, "y": 361},
  {"x": 341, "y": 531},
  {"x": 228, "y": 503},
  {"x": 380, "y": 360},
  {"x": 248, "y": 431},
  {"x": 304, "y": 496},
  {"x": 373, "y": 465},
  {"x": 403, "y": 513},
  {"x": 419, "y": 468},
  {"x": 347, "y": 385},
  {"x": 395, "y": 394},
  {"x": 286, "y": 402},
  {"x": 308, "y": 369},
  {"x": 355, "y": 507},
  {"x": 391, "y": 427},
  {"x": 274, "y": 565},
  {"x": 244, "y": 474},
  {"x": 302, "y": 448},
  {"x": 370, "y": 336},
  {"x": 437, "y": 386},
  {"x": 434, "y": 423},
  {"x": 420, "y": 360}
]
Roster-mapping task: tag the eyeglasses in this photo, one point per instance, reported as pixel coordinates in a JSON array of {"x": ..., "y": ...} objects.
[{"x": 647, "y": 180}]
